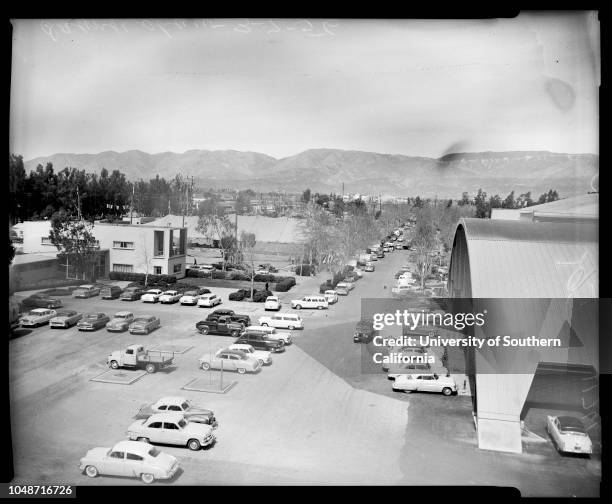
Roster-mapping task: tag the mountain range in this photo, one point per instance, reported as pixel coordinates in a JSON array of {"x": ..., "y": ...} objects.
[{"x": 326, "y": 170}]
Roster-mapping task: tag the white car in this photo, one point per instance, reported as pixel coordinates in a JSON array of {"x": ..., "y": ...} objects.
[
  {"x": 282, "y": 321},
  {"x": 172, "y": 428},
  {"x": 209, "y": 300},
  {"x": 37, "y": 317},
  {"x": 425, "y": 383},
  {"x": 264, "y": 358},
  {"x": 151, "y": 296},
  {"x": 349, "y": 286},
  {"x": 358, "y": 272},
  {"x": 169, "y": 296},
  {"x": 271, "y": 333},
  {"x": 569, "y": 435},
  {"x": 317, "y": 302},
  {"x": 272, "y": 303},
  {"x": 132, "y": 459},
  {"x": 191, "y": 297},
  {"x": 331, "y": 296}
]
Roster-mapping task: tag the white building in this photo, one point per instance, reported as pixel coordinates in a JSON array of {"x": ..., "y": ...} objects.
[{"x": 160, "y": 250}]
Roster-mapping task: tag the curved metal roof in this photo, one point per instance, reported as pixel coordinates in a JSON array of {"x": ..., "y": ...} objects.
[{"x": 514, "y": 259}]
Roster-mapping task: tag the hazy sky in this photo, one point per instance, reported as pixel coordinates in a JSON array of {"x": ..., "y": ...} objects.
[{"x": 279, "y": 87}]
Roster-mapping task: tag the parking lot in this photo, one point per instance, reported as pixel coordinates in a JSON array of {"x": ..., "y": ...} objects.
[{"x": 312, "y": 417}]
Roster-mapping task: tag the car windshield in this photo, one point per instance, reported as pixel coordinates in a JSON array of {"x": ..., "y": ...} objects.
[
  {"x": 154, "y": 452},
  {"x": 66, "y": 314},
  {"x": 141, "y": 319},
  {"x": 190, "y": 293},
  {"x": 91, "y": 316}
]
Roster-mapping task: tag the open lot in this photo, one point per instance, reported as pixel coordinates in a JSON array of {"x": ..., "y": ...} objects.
[{"x": 312, "y": 417}]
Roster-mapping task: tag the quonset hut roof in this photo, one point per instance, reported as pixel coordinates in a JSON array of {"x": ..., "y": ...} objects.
[{"x": 524, "y": 259}]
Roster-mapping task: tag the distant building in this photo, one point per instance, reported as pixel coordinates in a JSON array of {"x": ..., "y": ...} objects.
[{"x": 574, "y": 209}]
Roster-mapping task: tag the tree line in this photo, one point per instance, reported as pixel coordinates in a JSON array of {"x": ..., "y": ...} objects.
[
  {"x": 484, "y": 205},
  {"x": 44, "y": 191}
]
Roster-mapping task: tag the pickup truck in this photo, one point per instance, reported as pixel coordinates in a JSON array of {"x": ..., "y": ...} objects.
[
  {"x": 233, "y": 316},
  {"x": 220, "y": 325},
  {"x": 136, "y": 356}
]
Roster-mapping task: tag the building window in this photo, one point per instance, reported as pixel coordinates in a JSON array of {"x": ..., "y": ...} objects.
[
  {"x": 157, "y": 270},
  {"x": 178, "y": 268},
  {"x": 123, "y": 268},
  {"x": 45, "y": 240},
  {"x": 158, "y": 243},
  {"x": 123, "y": 245}
]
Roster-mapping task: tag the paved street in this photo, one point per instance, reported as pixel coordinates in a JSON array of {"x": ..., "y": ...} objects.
[{"x": 312, "y": 417}]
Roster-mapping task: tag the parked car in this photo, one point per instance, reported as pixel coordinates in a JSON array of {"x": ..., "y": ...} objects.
[
  {"x": 271, "y": 333},
  {"x": 192, "y": 412},
  {"x": 272, "y": 303},
  {"x": 110, "y": 292},
  {"x": 92, "y": 321},
  {"x": 358, "y": 272},
  {"x": 364, "y": 332},
  {"x": 263, "y": 356},
  {"x": 120, "y": 322},
  {"x": 230, "y": 360},
  {"x": 144, "y": 324},
  {"x": 380, "y": 254},
  {"x": 261, "y": 341},
  {"x": 131, "y": 459},
  {"x": 317, "y": 302},
  {"x": 261, "y": 296},
  {"x": 220, "y": 325},
  {"x": 369, "y": 267},
  {"x": 132, "y": 294},
  {"x": 233, "y": 316},
  {"x": 37, "y": 317},
  {"x": 209, "y": 300},
  {"x": 136, "y": 356},
  {"x": 569, "y": 435},
  {"x": 398, "y": 246},
  {"x": 151, "y": 296},
  {"x": 65, "y": 319},
  {"x": 239, "y": 295},
  {"x": 282, "y": 321},
  {"x": 342, "y": 289},
  {"x": 86, "y": 291},
  {"x": 169, "y": 297},
  {"x": 191, "y": 296},
  {"x": 331, "y": 296},
  {"x": 173, "y": 429},
  {"x": 425, "y": 383},
  {"x": 404, "y": 368},
  {"x": 41, "y": 301}
]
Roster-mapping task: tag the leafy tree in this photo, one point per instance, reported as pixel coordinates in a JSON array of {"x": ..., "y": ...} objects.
[
  {"x": 480, "y": 202},
  {"x": 247, "y": 249},
  {"x": 243, "y": 203},
  {"x": 524, "y": 200},
  {"x": 465, "y": 199},
  {"x": 509, "y": 201},
  {"x": 75, "y": 242},
  {"x": 306, "y": 196}
]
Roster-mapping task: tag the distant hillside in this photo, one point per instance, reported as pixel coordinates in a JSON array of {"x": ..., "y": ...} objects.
[{"x": 325, "y": 170}]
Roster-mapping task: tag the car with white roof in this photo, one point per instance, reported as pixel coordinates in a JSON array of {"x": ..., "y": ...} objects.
[
  {"x": 441, "y": 384},
  {"x": 37, "y": 317},
  {"x": 317, "y": 302},
  {"x": 209, "y": 300},
  {"x": 331, "y": 296},
  {"x": 230, "y": 360},
  {"x": 151, "y": 296},
  {"x": 169, "y": 297},
  {"x": 191, "y": 296},
  {"x": 263, "y": 356},
  {"x": 272, "y": 303},
  {"x": 347, "y": 285},
  {"x": 130, "y": 459},
  {"x": 120, "y": 322},
  {"x": 192, "y": 412},
  {"x": 569, "y": 434},
  {"x": 369, "y": 267},
  {"x": 271, "y": 333},
  {"x": 172, "y": 428},
  {"x": 65, "y": 319}
]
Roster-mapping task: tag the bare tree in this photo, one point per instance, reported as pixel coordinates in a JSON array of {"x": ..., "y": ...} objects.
[
  {"x": 217, "y": 227},
  {"x": 247, "y": 248}
]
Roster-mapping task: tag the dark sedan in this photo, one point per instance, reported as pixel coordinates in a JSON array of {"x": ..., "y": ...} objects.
[
  {"x": 92, "y": 321},
  {"x": 41, "y": 301}
]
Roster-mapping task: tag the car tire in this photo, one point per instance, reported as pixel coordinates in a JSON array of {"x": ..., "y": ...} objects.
[
  {"x": 205, "y": 366},
  {"x": 446, "y": 391},
  {"x": 298, "y": 307},
  {"x": 234, "y": 334},
  {"x": 147, "y": 478},
  {"x": 91, "y": 471},
  {"x": 261, "y": 361},
  {"x": 194, "y": 444},
  {"x": 241, "y": 370},
  {"x": 114, "y": 364},
  {"x": 265, "y": 324},
  {"x": 291, "y": 328},
  {"x": 150, "y": 368},
  {"x": 143, "y": 439},
  {"x": 204, "y": 330}
]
